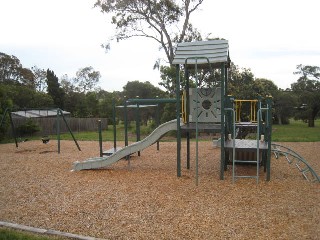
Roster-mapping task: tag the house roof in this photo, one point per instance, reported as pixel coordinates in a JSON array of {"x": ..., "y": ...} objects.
[{"x": 37, "y": 113}]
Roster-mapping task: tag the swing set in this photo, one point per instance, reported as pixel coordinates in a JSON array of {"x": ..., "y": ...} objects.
[{"x": 45, "y": 138}]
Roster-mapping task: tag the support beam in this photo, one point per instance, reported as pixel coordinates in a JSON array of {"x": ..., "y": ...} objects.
[
  {"x": 223, "y": 97},
  {"x": 178, "y": 120}
]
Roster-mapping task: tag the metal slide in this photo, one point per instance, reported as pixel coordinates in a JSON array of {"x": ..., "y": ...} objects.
[
  {"x": 293, "y": 157},
  {"x": 99, "y": 162}
]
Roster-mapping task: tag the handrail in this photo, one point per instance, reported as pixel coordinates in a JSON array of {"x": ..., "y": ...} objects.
[
  {"x": 233, "y": 142},
  {"x": 183, "y": 107},
  {"x": 253, "y": 105}
]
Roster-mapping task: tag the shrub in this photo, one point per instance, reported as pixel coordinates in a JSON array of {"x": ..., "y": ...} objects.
[{"x": 29, "y": 128}]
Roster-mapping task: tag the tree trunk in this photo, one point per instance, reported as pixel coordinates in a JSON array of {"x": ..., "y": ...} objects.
[
  {"x": 279, "y": 119},
  {"x": 311, "y": 121}
]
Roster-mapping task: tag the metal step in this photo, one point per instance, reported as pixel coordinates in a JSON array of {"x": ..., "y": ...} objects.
[
  {"x": 243, "y": 176},
  {"x": 244, "y": 161}
]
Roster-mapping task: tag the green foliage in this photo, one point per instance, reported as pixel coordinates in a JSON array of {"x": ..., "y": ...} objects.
[
  {"x": 240, "y": 83},
  {"x": 169, "y": 113},
  {"x": 40, "y": 77},
  {"x": 142, "y": 90},
  {"x": 168, "y": 77},
  {"x": 154, "y": 20},
  {"x": 86, "y": 79},
  {"x": 9, "y": 68},
  {"x": 307, "y": 89},
  {"x": 74, "y": 103},
  {"x": 19, "y": 96},
  {"x": 54, "y": 90},
  {"x": 284, "y": 106},
  {"x": 12, "y": 71},
  {"x": 28, "y": 128}
]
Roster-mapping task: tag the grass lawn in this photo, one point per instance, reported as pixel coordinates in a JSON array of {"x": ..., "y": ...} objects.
[
  {"x": 296, "y": 131},
  {"x": 11, "y": 234}
]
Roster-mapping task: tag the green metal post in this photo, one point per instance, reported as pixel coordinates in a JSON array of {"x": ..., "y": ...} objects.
[
  {"x": 69, "y": 129},
  {"x": 178, "y": 120},
  {"x": 114, "y": 124},
  {"x": 269, "y": 130},
  {"x": 138, "y": 125},
  {"x": 13, "y": 130},
  {"x": 125, "y": 124},
  {"x": 222, "y": 161},
  {"x": 100, "y": 137},
  {"x": 197, "y": 127},
  {"x": 158, "y": 122},
  {"x": 3, "y": 116},
  {"x": 58, "y": 129},
  {"x": 187, "y": 102},
  {"x": 126, "y": 130}
]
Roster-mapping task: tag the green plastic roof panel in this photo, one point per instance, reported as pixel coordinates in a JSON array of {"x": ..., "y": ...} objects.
[{"x": 217, "y": 51}]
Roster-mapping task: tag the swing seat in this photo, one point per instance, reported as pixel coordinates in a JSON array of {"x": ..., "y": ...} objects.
[{"x": 45, "y": 139}]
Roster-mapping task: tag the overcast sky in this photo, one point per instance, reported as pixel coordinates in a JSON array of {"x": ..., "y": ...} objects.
[{"x": 270, "y": 37}]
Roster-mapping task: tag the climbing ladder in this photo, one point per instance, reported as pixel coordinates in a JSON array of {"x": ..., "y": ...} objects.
[
  {"x": 258, "y": 145},
  {"x": 292, "y": 157},
  {"x": 248, "y": 145}
]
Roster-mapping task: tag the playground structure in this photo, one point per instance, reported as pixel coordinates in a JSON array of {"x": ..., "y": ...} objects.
[
  {"x": 100, "y": 162},
  {"x": 45, "y": 139},
  {"x": 209, "y": 108},
  {"x": 137, "y": 108}
]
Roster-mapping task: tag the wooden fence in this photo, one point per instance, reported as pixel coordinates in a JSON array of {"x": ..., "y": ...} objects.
[{"x": 48, "y": 126}]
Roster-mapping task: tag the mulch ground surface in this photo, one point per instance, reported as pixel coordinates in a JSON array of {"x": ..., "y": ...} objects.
[{"x": 147, "y": 200}]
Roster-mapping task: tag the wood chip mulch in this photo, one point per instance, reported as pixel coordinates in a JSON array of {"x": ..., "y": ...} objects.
[{"x": 148, "y": 200}]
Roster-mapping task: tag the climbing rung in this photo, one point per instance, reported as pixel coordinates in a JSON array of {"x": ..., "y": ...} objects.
[
  {"x": 298, "y": 166},
  {"x": 238, "y": 176},
  {"x": 304, "y": 173},
  {"x": 300, "y": 162},
  {"x": 286, "y": 155},
  {"x": 244, "y": 161}
]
